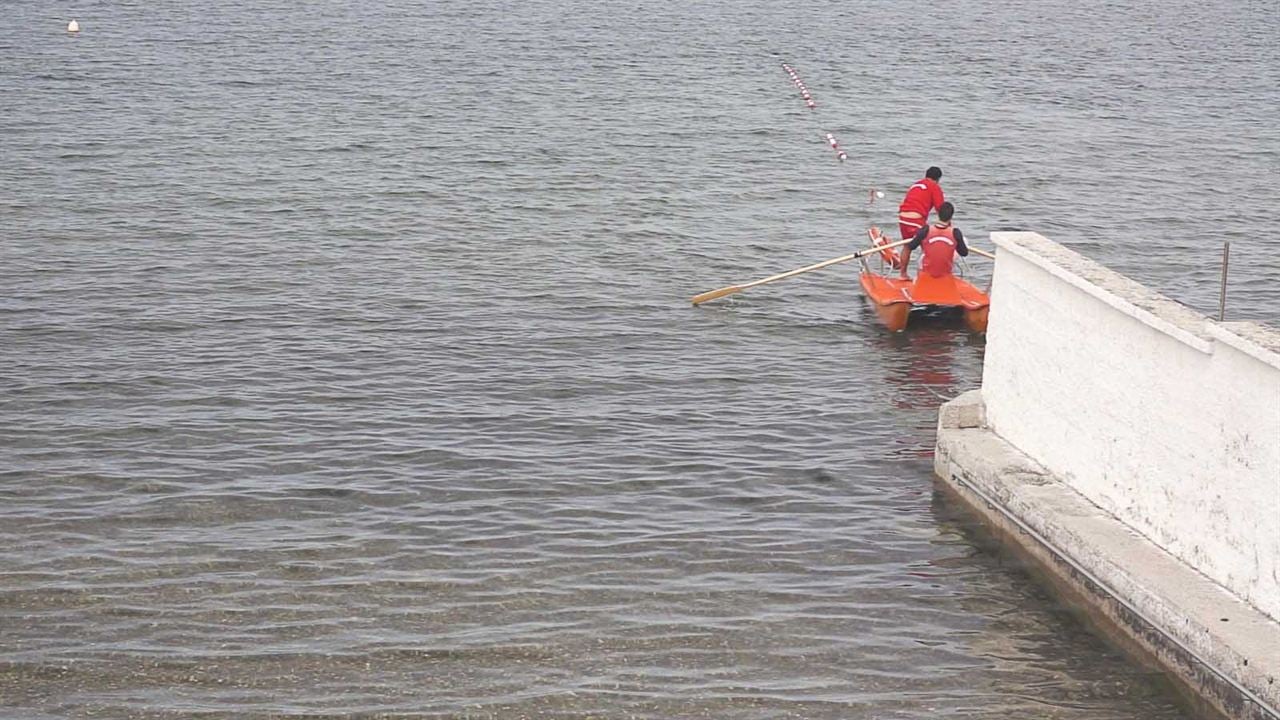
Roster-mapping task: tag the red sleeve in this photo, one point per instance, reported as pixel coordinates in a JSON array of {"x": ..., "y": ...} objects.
[{"x": 938, "y": 198}]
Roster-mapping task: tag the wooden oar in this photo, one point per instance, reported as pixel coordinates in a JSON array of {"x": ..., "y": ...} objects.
[
  {"x": 983, "y": 253},
  {"x": 712, "y": 295}
]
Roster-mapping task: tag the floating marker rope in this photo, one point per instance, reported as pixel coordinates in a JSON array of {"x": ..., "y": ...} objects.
[
  {"x": 874, "y": 193},
  {"x": 835, "y": 145},
  {"x": 841, "y": 155},
  {"x": 804, "y": 91}
]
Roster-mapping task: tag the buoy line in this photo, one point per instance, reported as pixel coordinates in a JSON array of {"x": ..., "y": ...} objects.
[
  {"x": 841, "y": 155},
  {"x": 835, "y": 145},
  {"x": 874, "y": 193},
  {"x": 804, "y": 91}
]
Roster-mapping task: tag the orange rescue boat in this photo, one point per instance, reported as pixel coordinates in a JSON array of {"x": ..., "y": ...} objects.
[{"x": 893, "y": 297}]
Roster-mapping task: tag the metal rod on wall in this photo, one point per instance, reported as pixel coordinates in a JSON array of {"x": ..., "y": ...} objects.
[{"x": 1222, "y": 292}]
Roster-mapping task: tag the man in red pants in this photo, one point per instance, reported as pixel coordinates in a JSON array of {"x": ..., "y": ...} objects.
[
  {"x": 923, "y": 196},
  {"x": 941, "y": 241}
]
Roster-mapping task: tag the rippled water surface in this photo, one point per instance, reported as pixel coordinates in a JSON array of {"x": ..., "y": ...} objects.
[{"x": 347, "y": 365}]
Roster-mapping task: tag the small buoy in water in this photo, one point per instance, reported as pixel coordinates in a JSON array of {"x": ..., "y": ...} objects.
[
  {"x": 73, "y": 26},
  {"x": 879, "y": 193}
]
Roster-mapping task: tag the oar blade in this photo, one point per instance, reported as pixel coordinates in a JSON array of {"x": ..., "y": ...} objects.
[{"x": 712, "y": 295}]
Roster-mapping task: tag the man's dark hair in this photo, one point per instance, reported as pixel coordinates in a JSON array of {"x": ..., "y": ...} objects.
[
  {"x": 945, "y": 211},
  {"x": 934, "y": 173}
]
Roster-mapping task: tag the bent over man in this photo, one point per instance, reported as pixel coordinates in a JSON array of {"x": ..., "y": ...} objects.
[{"x": 923, "y": 195}]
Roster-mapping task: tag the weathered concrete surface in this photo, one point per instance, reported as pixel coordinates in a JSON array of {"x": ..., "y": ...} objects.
[
  {"x": 1154, "y": 413},
  {"x": 1222, "y": 651}
]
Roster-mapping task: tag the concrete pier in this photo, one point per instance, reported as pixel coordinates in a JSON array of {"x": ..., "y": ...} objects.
[{"x": 1130, "y": 448}]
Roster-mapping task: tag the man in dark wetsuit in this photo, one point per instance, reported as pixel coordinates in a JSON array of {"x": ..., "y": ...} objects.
[{"x": 941, "y": 242}]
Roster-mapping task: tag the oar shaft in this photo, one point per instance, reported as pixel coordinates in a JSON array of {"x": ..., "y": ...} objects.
[
  {"x": 808, "y": 268},
  {"x": 824, "y": 263},
  {"x": 983, "y": 253},
  {"x": 712, "y": 295}
]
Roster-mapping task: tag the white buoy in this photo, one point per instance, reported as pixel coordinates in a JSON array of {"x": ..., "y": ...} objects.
[
  {"x": 73, "y": 26},
  {"x": 879, "y": 194}
]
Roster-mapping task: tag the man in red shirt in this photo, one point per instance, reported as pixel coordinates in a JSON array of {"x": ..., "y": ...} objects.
[
  {"x": 941, "y": 242},
  {"x": 923, "y": 196}
]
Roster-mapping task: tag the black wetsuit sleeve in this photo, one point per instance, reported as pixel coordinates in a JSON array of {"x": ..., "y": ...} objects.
[
  {"x": 960, "y": 246},
  {"x": 919, "y": 238}
]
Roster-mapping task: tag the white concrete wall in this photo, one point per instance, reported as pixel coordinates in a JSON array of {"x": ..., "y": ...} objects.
[{"x": 1167, "y": 420}]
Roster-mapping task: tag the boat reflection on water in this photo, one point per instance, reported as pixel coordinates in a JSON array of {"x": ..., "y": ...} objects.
[{"x": 932, "y": 361}]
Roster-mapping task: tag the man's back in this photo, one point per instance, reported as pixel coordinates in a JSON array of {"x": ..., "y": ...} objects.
[{"x": 922, "y": 197}]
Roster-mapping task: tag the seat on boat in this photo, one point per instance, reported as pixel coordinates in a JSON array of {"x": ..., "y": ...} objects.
[{"x": 945, "y": 290}]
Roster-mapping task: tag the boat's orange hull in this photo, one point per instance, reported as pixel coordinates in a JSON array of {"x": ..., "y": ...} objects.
[
  {"x": 894, "y": 297},
  {"x": 976, "y": 318}
]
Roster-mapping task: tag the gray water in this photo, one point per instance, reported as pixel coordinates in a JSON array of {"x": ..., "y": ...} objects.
[{"x": 347, "y": 365}]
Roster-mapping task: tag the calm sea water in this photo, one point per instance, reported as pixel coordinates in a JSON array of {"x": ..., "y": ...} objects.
[{"x": 347, "y": 366}]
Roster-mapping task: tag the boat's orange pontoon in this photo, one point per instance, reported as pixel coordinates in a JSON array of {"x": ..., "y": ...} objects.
[{"x": 893, "y": 298}]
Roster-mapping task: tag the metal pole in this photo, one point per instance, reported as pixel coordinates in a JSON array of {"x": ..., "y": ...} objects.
[{"x": 1222, "y": 292}]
